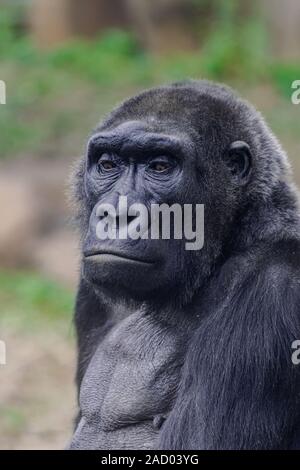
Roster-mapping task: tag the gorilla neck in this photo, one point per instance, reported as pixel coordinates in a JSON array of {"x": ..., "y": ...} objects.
[
  {"x": 171, "y": 304},
  {"x": 121, "y": 307}
]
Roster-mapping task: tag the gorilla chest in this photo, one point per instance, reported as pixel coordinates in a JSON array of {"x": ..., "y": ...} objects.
[{"x": 133, "y": 375}]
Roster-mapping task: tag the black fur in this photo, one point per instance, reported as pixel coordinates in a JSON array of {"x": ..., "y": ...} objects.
[{"x": 230, "y": 312}]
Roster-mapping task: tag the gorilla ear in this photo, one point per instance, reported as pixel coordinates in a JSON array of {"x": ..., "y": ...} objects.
[{"x": 238, "y": 158}]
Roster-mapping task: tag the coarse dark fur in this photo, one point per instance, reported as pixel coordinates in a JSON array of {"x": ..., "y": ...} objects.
[{"x": 194, "y": 353}]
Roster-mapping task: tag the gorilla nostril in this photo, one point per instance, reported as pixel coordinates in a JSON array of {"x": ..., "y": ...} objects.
[
  {"x": 120, "y": 221},
  {"x": 104, "y": 215},
  {"x": 130, "y": 218}
]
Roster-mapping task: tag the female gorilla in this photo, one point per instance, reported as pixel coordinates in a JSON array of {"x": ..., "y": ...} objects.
[{"x": 182, "y": 349}]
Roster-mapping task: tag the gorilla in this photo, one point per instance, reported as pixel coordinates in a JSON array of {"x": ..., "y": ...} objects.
[{"x": 188, "y": 349}]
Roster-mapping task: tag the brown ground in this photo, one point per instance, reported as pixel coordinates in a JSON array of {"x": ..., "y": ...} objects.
[{"x": 37, "y": 391}]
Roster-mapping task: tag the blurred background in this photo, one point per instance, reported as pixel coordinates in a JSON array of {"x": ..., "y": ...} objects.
[{"x": 65, "y": 64}]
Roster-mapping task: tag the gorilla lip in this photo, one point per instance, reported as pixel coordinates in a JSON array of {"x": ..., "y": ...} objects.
[{"x": 114, "y": 256}]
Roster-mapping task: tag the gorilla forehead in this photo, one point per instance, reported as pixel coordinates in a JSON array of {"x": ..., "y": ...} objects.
[
  {"x": 192, "y": 106},
  {"x": 136, "y": 136}
]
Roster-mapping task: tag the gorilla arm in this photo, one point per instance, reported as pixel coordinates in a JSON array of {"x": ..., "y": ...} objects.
[{"x": 239, "y": 387}]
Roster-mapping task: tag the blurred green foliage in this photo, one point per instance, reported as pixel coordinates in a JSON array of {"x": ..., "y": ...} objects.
[
  {"x": 283, "y": 76},
  {"x": 12, "y": 419},
  {"x": 237, "y": 46},
  {"x": 27, "y": 300},
  {"x": 49, "y": 92},
  {"x": 112, "y": 58}
]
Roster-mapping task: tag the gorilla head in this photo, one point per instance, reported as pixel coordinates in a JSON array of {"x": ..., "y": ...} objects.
[{"x": 188, "y": 143}]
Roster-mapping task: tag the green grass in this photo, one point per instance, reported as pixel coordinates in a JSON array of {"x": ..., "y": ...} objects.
[
  {"x": 29, "y": 301},
  {"x": 13, "y": 420},
  {"x": 283, "y": 76}
]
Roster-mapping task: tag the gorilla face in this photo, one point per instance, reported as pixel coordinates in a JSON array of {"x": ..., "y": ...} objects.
[
  {"x": 148, "y": 168},
  {"x": 152, "y": 161}
]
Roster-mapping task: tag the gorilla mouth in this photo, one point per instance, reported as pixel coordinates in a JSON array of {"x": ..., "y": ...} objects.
[{"x": 111, "y": 256}]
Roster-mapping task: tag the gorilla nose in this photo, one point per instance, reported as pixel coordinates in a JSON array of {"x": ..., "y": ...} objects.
[
  {"x": 117, "y": 220},
  {"x": 125, "y": 219}
]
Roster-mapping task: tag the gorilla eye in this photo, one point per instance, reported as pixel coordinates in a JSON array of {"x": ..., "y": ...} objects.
[
  {"x": 160, "y": 166},
  {"x": 106, "y": 163}
]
